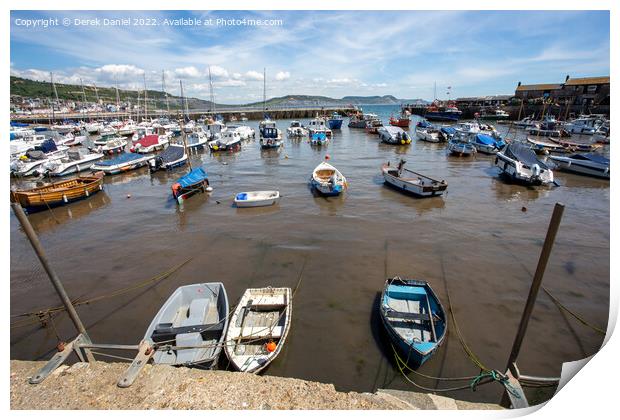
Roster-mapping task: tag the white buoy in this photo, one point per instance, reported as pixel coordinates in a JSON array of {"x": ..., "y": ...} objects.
[{"x": 209, "y": 189}]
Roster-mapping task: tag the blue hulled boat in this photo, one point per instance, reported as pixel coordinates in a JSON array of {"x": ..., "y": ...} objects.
[
  {"x": 335, "y": 121},
  {"x": 488, "y": 144},
  {"x": 414, "y": 319}
]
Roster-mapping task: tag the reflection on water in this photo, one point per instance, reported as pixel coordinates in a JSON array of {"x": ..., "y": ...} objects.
[{"x": 475, "y": 239}]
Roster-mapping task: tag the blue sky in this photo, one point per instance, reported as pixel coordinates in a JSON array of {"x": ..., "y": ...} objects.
[{"x": 331, "y": 53}]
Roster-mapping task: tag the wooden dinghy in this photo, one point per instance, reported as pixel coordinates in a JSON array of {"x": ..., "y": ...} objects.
[
  {"x": 412, "y": 182},
  {"x": 58, "y": 193},
  {"x": 258, "y": 328},
  {"x": 328, "y": 180},
  {"x": 257, "y": 198},
  {"x": 414, "y": 319},
  {"x": 189, "y": 328}
]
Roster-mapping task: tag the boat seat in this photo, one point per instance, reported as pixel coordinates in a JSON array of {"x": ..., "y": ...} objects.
[
  {"x": 406, "y": 292},
  {"x": 165, "y": 332},
  {"x": 407, "y": 315},
  {"x": 187, "y": 340},
  {"x": 197, "y": 312},
  {"x": 263, "y": 332}
]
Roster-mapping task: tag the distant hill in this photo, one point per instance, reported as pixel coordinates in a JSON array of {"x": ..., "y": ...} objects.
[{"x": 37, "y": 89}]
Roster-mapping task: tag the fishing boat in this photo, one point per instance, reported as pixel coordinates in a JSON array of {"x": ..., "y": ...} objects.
[
  {"x": 583, "y": 125},
  {"x": 461, "y": 147},
  {"x": 189, "y": 328},
  {"x": 58, "y": 193},
  {"x": 412, "y": 182},
  {"x": 318, "y": 125},
  {"x": 113, "y": 146},
  {"x": 296, "y": 130},
  {"x": 544, "y": 147},
  {"x": 393, "y": 135},
  {"x": 403, "y": 121},
  {"x": 519, "y": 163},
  {"x": 527, "y": 122},
  {"x": 258, "y": 328},
  {"x": 193, "y": 182},
  {"x": 440, "y": 111},
  {"x": 584, "y": 164},
  {"x": 123, "y": 163},
  {"x": 150, "y": 143},
  {"x": 328, "y": 180},
  {"x": 414, "y": 319},
  {"x": 335, "y": 121},
  {"x": 318, "y": 139},
  {"x": 229, "y": 140},
  {"x": 373, "y": 123},
  {"x": 357, "y": 121},
  {"x": 494, "y": 114},
  {"x": 257, "y": 198},
  {"x": 270, "y": 136},
  {"x": 487, "y": 144},
  {"x": 73, "y": 162},
  {"x": 172, "y": 157}
]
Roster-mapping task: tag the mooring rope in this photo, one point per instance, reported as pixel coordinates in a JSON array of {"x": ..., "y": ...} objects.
[
  {"x": 41, "y": 314},
  {"x": 575, "y": 315}
]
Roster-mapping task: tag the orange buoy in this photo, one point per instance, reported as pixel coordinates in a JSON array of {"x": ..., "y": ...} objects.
[
  {"x": 271, "y": 346},
  {"x": 326, "y": 157}
]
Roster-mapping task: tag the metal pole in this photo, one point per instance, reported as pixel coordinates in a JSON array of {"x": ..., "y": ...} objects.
[
  {"x": 38, "y": 249},
  {"x": 554, "y": 225}
]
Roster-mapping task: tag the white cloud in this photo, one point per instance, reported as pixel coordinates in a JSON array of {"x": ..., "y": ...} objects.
[
  {"x": 253, "y": 75},
  {"x": 219, "y": 72},
  {"x": 283, "y": 75},
  {"x": 120, "y": 70},
  {"x": 190, "y": 72}
]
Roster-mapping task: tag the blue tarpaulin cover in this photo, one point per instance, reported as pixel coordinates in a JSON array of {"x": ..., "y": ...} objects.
[
  {"x": 194, "y": 177},
  {"x": 124, "y": 158},
  {"x": 242, "y": 196},
  {"x": 485, "y": 139},
  {"x": 591, "y": 156},
  {"x": 448, "y": 130},
  {"x": 47, "y": 146},
  {"x": 18, "y": 124},
  {"x": 318, "y": 136}
]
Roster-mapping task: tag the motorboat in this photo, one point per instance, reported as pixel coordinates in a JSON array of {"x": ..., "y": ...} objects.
[
  {"x": 189, "y": 328},
  {"x": 172, "y": 157},
  {"x": 296, "y": 130},
  {"x": 319, "y": 125},
  {"x": 123, "y": 163},
  {"x": 412, "y": 182},
  {"x": 582, "y": 126},
  {"x": 229, "y": 140},
  {"x": 245, "y": 132},
  {"x": 196, "y": 140},
  {"x": 189, "y": 184},
  {"x": 113, "y": 146},
  {"x": 461, "y": 147},
  {"x": 393, "y": 135},
  {"x": 590, "y": 164},
  {"x": 494, "y": 114},
  {"x": 149, "y": 144},
  {"x": 519, "y": 163},
  {"x": 487, "y": 144},
  {"x": 73, "y": 162},
  {"x": 270, "y": 135},
  {"x": 334, "y": 122}
]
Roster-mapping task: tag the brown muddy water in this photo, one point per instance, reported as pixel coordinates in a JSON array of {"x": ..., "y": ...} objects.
[{"x": 476, "y": 240}]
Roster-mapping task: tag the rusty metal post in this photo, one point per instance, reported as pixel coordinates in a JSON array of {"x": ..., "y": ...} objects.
[{"x": 38, "y": 249}]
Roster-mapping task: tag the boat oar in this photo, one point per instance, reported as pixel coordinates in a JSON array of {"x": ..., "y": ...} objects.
[{"x": 556, "y": 183}]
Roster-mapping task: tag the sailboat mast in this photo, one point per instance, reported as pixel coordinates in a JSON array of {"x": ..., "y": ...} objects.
[
  {"x": 97, "y": 96},
  {"x": 163, "y": 88},
  {"x": 56, "y": 95},
  {"x": 435, "y": 92},
  {"x": 182, "y": 98},
  {"x": 264, "y": 90},
  {"x": 84, "y": 99},
  {"x": 145, "y": 98},
  {"x": 211, "y": 95},
  {"x": 118, "y": 97}
]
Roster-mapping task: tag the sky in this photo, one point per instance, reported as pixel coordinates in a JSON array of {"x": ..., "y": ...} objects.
[{"x": 329, "y": 53}]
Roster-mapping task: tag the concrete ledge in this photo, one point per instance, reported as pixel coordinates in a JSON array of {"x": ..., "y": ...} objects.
[{"x": 93, "y": 386}]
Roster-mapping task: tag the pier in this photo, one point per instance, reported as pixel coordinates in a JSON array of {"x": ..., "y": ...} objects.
[{"x": 229, "y": 114}]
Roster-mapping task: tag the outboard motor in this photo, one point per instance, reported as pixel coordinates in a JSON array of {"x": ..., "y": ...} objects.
[{"x": 155, "y": 164}]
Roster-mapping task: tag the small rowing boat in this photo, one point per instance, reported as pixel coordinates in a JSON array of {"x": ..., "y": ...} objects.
[
  {"x": 258, "y": 328},
  {"x": 414, "y": 319},
  {"x": 189, "y": 328},
  {"x": 412, "y": 182},
  {"x": 58, "y": 193},
  {"x": 328, "y": 180},
  {"x": 257, "y": 198}
]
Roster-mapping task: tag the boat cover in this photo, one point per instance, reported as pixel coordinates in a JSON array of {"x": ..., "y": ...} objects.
[
  {"x": 147, "y": 141},
  {"x": 18, "y": 124},
  {"x": 448, "y": 130},
  {"x": 124, "y": 158},
  {"x": 35, "y": 155},
  {"x": 195, "y": 176},
  {"x": 524, "y": 154},
  {"x": 172, "y": 153},
  {"x": 242, "y": 196},
  {"x": 591, "y": 157},
  {"x": 424, "y": 124},
  {"x": 318, "y": 136},
  {"x": 485, "y": 139},
  {"x": 47, "y": 146}
]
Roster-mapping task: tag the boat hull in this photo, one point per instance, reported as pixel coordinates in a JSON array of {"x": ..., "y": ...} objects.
[
  {"x": 58, "y": 194},
  {"x": 335, "y": 124}
]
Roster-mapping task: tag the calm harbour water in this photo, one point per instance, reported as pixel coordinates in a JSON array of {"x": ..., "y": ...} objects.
[{"x": 476, "y": 240}]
